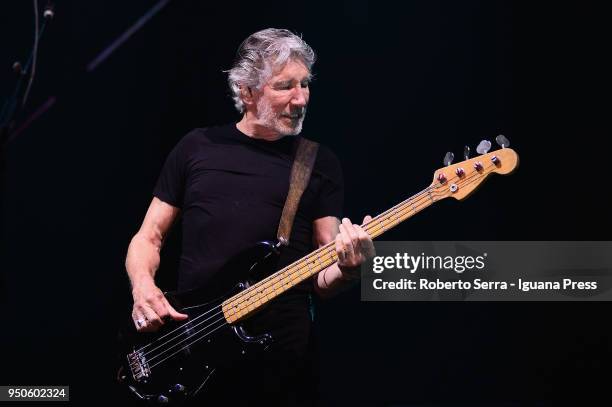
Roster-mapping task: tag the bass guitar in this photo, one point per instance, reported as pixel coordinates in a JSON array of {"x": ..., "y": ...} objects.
[{"x": 176, "y": 362}]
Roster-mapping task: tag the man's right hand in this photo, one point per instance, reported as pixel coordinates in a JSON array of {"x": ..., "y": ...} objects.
[{"x": 151, "y": 308}]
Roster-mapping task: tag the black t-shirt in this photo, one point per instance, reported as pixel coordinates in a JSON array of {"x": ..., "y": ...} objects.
[{"x": 232, "y": 189}]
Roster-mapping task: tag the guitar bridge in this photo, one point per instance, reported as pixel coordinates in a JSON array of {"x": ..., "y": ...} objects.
[{"x": 138, "y": 365}]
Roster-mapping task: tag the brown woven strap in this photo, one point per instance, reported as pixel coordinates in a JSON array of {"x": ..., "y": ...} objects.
[{"x": 300, "y": 176}]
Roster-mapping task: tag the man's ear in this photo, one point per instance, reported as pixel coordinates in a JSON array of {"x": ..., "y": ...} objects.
[{"x": 246, "y": 93}]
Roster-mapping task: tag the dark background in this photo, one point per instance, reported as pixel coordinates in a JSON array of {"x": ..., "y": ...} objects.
[{"x": 396, "y": 87}]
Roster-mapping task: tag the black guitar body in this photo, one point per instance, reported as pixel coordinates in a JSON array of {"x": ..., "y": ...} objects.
[{"x": 178, "y": 361}]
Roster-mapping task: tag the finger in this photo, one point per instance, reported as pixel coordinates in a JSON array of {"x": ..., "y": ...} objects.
[
  {"x": 350, "y": 228},
  {"x": 165, "y": 311},
  {"x": 174, "y": 314},
  {"x": 139, "y": 320},
  {"x": 367, "y": 219},
  {"x": 347, "y": 223},
  {"x": 365, "y": 243},
  {"x": 347, "y": 239},
  {"x": 363, "y": 236},
  {"x": 156, "y": 301},
  {"x": 339, "y": 248},
  {"x": 160, "y": 308},
  {"x": 347, "y": 243},
  {"x": 153, "y": 321}
]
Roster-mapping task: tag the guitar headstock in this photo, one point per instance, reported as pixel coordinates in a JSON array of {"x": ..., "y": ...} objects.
[{"x": 461, "y": 179}]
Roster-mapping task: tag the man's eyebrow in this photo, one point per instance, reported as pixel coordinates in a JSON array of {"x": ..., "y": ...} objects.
[
  {"x": 282, "y": 82},
  {"x": 288, "y": 81}
]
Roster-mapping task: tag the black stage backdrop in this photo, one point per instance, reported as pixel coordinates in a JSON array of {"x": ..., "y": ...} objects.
[{"x": 396, "y": 87}]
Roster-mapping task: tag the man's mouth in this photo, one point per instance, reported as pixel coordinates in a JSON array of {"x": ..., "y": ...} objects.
[{"x": 294, "y": 116}]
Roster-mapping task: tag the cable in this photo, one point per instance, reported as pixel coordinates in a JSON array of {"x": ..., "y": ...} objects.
[{"x": 34, "y": 54}]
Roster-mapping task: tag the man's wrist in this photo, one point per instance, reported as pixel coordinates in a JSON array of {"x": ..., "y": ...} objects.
[
  {"x": 142, "y": 281},
  {"x": 350, "y": 273}
]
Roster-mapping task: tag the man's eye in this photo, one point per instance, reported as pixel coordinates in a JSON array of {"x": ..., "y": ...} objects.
[{"x": 288, "y": 86}]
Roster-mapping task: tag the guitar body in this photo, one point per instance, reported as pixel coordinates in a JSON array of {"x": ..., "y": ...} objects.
[{"x": 178, "y": 361}]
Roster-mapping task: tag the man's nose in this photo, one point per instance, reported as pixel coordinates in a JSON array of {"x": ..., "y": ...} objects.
[{"x": 299, "y": 97}]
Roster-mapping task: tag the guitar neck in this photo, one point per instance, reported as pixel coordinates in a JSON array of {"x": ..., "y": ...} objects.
[
  {"x": 456, "y": 180},
  {"x": 246, "y": 302}
]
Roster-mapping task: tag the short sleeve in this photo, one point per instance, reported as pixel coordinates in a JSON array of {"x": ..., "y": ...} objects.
[
  {"x": 170, "y": 186},
  {"x": 330, "y": 200}
]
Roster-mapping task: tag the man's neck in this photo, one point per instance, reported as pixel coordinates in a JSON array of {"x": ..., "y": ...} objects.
[{"x": 248, "y": 125}]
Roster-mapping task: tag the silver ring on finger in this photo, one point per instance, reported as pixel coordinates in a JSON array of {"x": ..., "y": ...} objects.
[{"x": 140, "y": 322}]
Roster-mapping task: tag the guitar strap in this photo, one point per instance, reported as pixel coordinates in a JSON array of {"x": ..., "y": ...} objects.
[{"x": 300, "y": 176}]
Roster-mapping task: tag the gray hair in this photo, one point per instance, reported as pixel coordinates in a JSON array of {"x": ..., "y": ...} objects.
[{"x": 260, "y": 54}]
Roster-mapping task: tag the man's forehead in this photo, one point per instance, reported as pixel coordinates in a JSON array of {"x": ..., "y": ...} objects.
[{"x": 292, "y": 70}]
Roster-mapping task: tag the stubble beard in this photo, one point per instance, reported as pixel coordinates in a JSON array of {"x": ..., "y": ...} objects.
[{"x": 276, "y": 121}]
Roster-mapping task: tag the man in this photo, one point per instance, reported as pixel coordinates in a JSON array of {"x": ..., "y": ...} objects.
[{"x": 230, "y": 183}]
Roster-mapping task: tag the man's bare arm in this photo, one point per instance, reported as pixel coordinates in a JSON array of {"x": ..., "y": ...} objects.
[{"x": 142, "y": 261}]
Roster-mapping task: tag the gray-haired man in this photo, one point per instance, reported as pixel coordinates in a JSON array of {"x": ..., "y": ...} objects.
[{"x": 230, "y": 184}]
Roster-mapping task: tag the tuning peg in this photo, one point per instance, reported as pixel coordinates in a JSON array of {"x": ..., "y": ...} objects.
[
  {"x": 466, "y": 152},
  {"x": 483, "y": 147},
  {"x": 502, "y": 141},
  {"x": 448, "y": 158}
]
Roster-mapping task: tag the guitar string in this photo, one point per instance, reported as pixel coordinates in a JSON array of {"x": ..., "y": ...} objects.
[
  {"x": 152, "y": 358},
  {"x": 204, "y": 335},
  {"x": 375, "y": 222},
  {"x": 177, "y": 328},
  {"x": 212, "y": 316},
  {"x": 324, "y": 248},
  {"x": 276, "y": 275},
  {"x": 220, "y": 326},
  {"x": 191, "y": 343},
  {"x": 463, "y": 181},
  {"x": 371, "y": 226},
  {"x": 186, "y": 330},
  {"x": 467, "y": 179}
]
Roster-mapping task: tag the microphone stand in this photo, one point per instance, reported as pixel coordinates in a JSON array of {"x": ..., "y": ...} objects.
[{"x": 10, "y": 109}]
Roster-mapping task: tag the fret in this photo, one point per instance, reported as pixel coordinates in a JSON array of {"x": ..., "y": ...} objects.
[
  {"x": 381, "y": 225},
  {"x": 397, "y": 219},
  {"x": 319, "y": 260}
]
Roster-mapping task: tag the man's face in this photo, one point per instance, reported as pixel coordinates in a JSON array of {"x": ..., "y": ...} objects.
[{"x": 281, "y": 103}]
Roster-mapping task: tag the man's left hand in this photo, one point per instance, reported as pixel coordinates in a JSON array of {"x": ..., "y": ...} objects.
[{"x": 353, "y": 247}]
